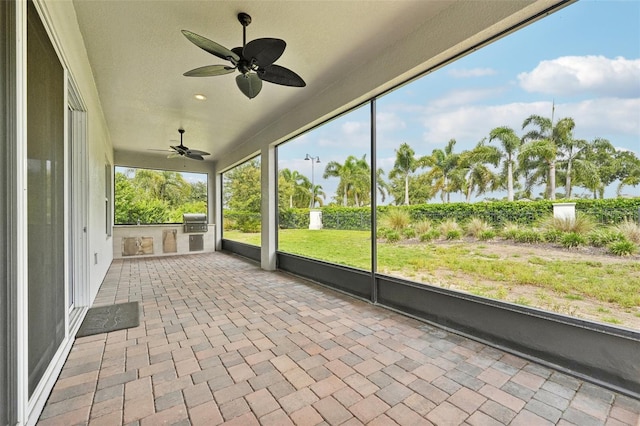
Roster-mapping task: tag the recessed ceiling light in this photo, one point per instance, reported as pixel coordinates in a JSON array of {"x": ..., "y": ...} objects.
[{"x": 200, "y": 97}]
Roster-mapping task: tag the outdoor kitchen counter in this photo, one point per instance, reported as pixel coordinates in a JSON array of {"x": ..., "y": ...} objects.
[{"x": 160, "y": 240}]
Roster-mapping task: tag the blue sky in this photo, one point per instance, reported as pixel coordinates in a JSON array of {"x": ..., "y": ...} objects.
[{"x": 585, "y": 59}]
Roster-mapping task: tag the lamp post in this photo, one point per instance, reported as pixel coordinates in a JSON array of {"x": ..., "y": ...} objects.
[{"x": 313, "y": 160}]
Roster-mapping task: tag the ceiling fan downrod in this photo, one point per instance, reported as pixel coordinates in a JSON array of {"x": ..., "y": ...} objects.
[
  {"x": 245, "y": 20},
  {"x": 243, "y": 65}
]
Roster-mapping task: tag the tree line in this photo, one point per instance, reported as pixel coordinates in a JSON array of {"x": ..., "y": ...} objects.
[
  {"x": 153, "y": 196},
  {"x": 547, "y": 154}
]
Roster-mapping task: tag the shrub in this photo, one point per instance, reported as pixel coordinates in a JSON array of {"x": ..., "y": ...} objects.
[
  {"x": 529, "y": 235},
  {"x": 630, "y": 230},
  {"x": 604, "y": 236},
  {"x": 392, "y": 236},
  {"x": 623, "y": 248},
  {"x": 476, "y": 226},
  {"x": 422, "y": 227},
  {"x": 510, "y": 231},
  {"x": 552, "y": 235},
  {"x": 487, "y": 234},
  {"x": 396, "y": 219},
  {"x": 430, "y": 235},
  {"x": 581, "y": 224},
  {"x": 248, "y": 224},
  {"x": 381, "y": 232},
  {"x": 453, "y": 234},
  {"x": 610, "y": 211},
  {"x": 409, "y": 233},
  {"x": 572, "y": 239},
  {"x": 450, "y": 225},
  {"x": 294, "y": 218},
  {"x": 228, "y": 224}
]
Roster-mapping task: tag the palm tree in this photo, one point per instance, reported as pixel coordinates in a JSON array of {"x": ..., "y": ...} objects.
[
  {"x": 442, "y": 163},
  {"x": 164, "y": 185},
  {"x": 302, "y": 193},
  {"x": 318, "y": 195},
  {"x": 629, "y": 166},
  {"x": 381, "y": 184},
  {"x": 479, "y": 177},
  {"x": 631, "y": 180},
  {"x": 542, "y": 145},
  {"x": 570, "y": 150},
  {"x": 299, "y": 185},
  {"x": 540, "y": 155},
  {"x": 606, "y": 159},
  {"x": 406, "y": 164},
  {"x": 420, "y": 189},
  {"x": 574, "y": 163},
  {"x": 354, "y": 177},
  {"x": 510, "y": 144}
]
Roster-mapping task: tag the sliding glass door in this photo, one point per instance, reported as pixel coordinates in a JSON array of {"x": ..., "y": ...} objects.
[{"x": 45, "y": 200}]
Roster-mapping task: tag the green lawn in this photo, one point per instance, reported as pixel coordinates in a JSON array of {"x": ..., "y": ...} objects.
[{"x": 472, "y": 267}]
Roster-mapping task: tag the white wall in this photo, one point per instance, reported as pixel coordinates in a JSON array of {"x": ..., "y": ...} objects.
[
  {"x": 4, "y": 169},
  {"x": 61, "y": 18}
]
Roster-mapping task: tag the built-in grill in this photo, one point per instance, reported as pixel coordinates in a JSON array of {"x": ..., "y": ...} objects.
[{"x": 194, "y": 223}]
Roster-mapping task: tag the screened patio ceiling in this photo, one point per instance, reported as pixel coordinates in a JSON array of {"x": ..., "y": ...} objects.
[{"x": 346, "y": 51}]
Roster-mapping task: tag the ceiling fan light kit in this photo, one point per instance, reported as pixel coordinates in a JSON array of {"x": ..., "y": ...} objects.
[{"x": 254, "y": 60}]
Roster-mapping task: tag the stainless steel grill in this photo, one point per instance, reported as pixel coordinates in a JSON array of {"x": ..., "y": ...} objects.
[{"x": 194, "y": 223}]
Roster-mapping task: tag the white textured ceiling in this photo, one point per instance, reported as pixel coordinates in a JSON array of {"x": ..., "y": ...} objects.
[{"x": 345, "y": 50}]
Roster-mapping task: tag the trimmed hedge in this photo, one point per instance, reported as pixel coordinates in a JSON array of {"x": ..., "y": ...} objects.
[
  {"x": 497, "y": 213},
  {"x": 610, "y": 211}
]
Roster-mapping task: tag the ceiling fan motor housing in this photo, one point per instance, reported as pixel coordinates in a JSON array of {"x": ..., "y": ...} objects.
[{"x": 244, "y": 18}]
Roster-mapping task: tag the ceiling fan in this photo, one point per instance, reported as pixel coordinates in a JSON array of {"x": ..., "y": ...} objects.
[
  {"x": 183, "y": 151},
  {"x": 254, "y": 60}
]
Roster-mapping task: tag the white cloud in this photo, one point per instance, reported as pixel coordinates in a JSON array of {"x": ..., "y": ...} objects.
[
  {"x": 294, "y": 164},
  {"x": 389, "y": 122},
  {"x": 353, "y": 127},
  {"x": 609, "y": 118},
  {"x": 472, "y": 72},
  {"x": 354, "y": 134},
  {"x": 328, "y": 142},
  {"x": 615, "y": 119},
  {"x": 465, "y": 97},
  {"x": 468, "y": 125},
  {"x": 570, "y": 75},
  {"x": 386, "y": 163}
]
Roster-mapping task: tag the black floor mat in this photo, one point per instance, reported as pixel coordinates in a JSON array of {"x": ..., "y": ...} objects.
[{"x": 103, "y": 319}]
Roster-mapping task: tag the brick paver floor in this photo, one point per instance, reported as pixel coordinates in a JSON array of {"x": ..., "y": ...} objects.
[{"x": 222, "y": 342}]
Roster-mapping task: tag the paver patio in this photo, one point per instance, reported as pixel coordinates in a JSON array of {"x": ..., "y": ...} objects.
[{"x": 221, "y": 341}]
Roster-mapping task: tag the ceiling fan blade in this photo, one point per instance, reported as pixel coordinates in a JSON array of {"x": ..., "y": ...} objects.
[
  {"x": 174, "y": 155},
  {"x": 197, "y": 152},
  {"x": 249, "y": 84},
  {"x": 195, "y": 157},
  {"x": 180, "y": 149},
  {"x": 281, "y": 75},
  {"x": 211, "y": 46},
  {"x": 209, "y": 71},
  {"x": 265, "y": 51}
]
